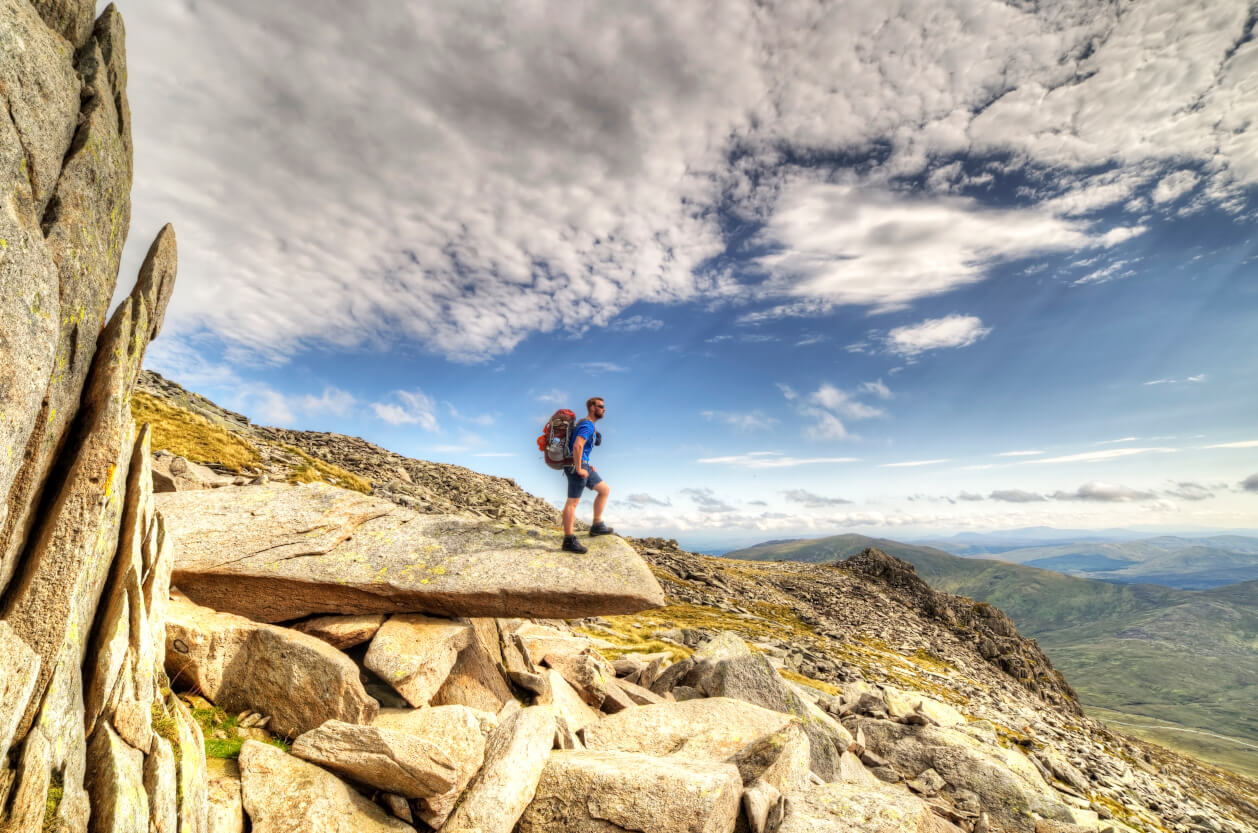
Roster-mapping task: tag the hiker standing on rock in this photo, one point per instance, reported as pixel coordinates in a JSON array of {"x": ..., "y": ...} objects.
[{"x": 581, "y": 476}]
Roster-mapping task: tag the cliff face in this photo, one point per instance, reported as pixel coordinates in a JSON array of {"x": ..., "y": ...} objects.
[{"x": 84, "y": 560}]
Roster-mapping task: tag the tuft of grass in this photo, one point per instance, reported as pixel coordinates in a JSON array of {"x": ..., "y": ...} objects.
[
  {"x": 165, "y": 724},
  {"x": 192, "y": 436},
  {"x": 215, "y": 719},
  {"x": 314, "y": 470},
  {"x": 820, "y": 685},
  {"x": 56, "y": 789}
]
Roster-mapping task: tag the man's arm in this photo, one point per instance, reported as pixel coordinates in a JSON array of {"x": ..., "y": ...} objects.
[{"x": 578, "y": 446}]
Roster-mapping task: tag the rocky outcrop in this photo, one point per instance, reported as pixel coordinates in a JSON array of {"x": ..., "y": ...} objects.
[
  {"x": 275, "y": 552},
  {"x": 84, "y": 557}
]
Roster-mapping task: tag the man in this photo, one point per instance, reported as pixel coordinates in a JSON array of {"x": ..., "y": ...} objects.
[{"x": 581, "y": 476}]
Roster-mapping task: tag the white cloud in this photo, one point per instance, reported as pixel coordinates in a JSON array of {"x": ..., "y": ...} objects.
[
  {"x": 643, "y": 499},
  {"x": 333, "y": 400},
  {"x": 465, "y": 178},
  {"x": 1028, "y": 453},
  {"x": 744, "y": 421},
  {"x": 845, "y": 245},
  {"x": 772, "y": 460},
  {"x": 834, "y": 399},
  {"x": 495, "y": 454},
  {"x": 1105, "y": 493},
  {"x": 554, "y": 396},
  {"x": 408, "y": 408},
  {"x": 1187, "y": 490},
  {"x": 877, "y": 388},
  {"x": 1174, "y": 186},
  {"x": 634, "y": 323},
  {"x": 1112, "y": 272},
  {"x": 811, "y": 500},
  {"x": 1250, "y": 484},
  {"x": 602, "y": 367},
  {"x": 1191, "y": 380},
  {"x": 1098, "y": 456},
  {"x": 1016, "y": 496},
  {"x": 936, "y": 334},
  {"x": 707, "y": 501},
  {"x": 1237, "y": 444},
  {"x": 914, "y": 463},
  {"x": 484, "y": 419},
  {"x": 788, "y": 392}
]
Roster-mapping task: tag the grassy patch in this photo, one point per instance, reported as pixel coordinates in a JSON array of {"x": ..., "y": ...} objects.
[
  {"x": 165, "y": 724},
  {"x": 56, "y": 789},
  {"x": 189, "y": 435},
  {"x": 215, "y": 719},
  {"x": 796, "y": 677},
  {"x": 314, "y": 470}
]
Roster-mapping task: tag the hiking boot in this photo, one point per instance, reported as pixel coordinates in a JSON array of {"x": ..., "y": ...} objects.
[
  {"x": 571, "y": 544},
  {"x": 601, "y": 528}
]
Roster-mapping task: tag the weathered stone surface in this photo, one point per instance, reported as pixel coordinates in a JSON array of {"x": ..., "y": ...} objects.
[
  {"x": 568, "y": 704},
  {"x": 193, "y": 809},
  {"x": 1008, "y": 785},
  {"x": 72, "y": 19},
  {"x": 781, "y": 759},
  {"x": 414, "y": 654},
  {"x": 172, "y": 473},
  {"x": 605, "y": 792},
  {"x": 28, "y": 801},
  {"x": 852, "y": 808},
  {"x": 84, "y": 225},
  {"x": 342, "y": 632},
  {"x": 902, "y": 704},
  {"x": 387, "y": 760},
  {"x": 244, "y": 549},
  {"x": 586, "y": 672},
  {"x": 459, "y": 732},
  {"x": 514, "y": 759},
  {"x": 226, "y": 811},
  {"x": 284, "y": 793},
  {"x": 298, "y": 680},
  {"x": 476, "y": 679},
  {"x": 160, "y": 782},
  {"x": 41, "y": 95},
  {"x": 115, "y": 782},
  {"x": 19, "y": 671},
  {"x": 726, "y": 668},
  {"x": 705, "y": 730},
  {"x": 763, "y": 807}
]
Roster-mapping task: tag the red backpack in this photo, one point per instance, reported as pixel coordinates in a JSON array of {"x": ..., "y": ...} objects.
[{"x": 554, "y": 441}]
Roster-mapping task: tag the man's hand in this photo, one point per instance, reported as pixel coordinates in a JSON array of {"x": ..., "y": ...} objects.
[{"x": 581, "y": 472}]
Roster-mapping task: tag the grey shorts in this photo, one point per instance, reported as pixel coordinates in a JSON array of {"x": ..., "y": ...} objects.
[{"x": 577, "y": 485}]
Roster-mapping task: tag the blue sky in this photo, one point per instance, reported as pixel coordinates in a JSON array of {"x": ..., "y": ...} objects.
[{"x": 899, "y": 271}]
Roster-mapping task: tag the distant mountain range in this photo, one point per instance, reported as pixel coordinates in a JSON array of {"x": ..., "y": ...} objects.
[
  {"x": 1188, "y": 657},
  {"x": 1175, "y": 561}
]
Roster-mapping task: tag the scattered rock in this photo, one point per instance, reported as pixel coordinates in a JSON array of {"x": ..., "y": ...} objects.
[
  {"x": 415, "y": 654},
  {"x": 596, "y": 792},
  {"x": 342, "y": 632},
  {"x": 514, "y": 759},
  {"x": 282, "y": 793}
]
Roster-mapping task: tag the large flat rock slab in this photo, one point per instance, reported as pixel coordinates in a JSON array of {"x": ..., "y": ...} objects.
[{"x": 276, "y": 552}]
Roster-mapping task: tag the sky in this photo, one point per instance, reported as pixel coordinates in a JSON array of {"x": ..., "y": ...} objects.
[{"x": 900, "y": 268}]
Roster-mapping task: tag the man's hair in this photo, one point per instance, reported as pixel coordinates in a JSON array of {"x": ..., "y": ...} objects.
[{"x": 589, "y": 403}]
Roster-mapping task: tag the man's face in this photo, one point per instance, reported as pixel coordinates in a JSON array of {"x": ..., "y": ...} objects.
[{"x": 598, "y": 408}]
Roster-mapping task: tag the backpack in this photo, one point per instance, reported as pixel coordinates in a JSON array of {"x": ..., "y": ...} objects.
[{"x": 554, "y": 441}]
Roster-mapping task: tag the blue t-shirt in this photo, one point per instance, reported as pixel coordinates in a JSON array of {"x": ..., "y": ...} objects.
[{"x": 584, "y": 428}]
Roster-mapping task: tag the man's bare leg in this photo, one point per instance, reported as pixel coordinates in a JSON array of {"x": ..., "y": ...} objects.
[
  {"x": 570, "y": 514},
  {"x": 602, "y": 490}
]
